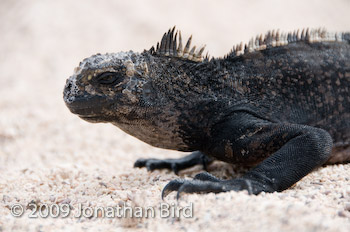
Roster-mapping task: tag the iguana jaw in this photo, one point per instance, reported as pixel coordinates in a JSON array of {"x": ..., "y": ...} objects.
[{"x": 87, "y": 107}]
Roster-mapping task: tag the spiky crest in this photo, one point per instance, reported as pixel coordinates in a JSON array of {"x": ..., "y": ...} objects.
[
  {"x": 275, "y": 38},
  {"x": 168, "y": 46}
]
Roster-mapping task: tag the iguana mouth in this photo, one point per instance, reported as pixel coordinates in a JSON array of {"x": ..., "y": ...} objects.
[
  {"x": 86, "y": 106},
  {"x": 91, "y": 118}
]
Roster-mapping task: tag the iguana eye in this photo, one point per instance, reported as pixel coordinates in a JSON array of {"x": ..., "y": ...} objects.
[{"x": 109, "y": 78}]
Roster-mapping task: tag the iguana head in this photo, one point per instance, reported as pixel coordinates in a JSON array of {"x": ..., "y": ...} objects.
[
  {"x": 105, "y": 84},
  {"x": 119, "y": 87}
]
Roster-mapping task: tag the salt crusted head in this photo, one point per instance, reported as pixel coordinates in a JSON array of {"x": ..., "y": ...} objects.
[{"x": 117, "y": 87}]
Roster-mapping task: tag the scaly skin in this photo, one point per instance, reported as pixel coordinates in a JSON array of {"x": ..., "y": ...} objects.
[{"x": 282, "y": 105}]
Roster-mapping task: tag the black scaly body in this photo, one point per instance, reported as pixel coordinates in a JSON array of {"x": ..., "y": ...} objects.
[{"x": 281, "y": 102}]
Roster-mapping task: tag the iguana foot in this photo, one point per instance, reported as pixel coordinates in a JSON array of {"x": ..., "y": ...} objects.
[
  {"x": 175, "y": 165},
  {"x": 207, "y": 183}
]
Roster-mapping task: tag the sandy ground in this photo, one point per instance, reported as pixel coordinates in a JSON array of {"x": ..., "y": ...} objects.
[{"x": 50, "y": 156}]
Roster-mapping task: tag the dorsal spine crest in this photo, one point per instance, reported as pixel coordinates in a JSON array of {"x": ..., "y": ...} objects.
[
  {"x": 171, "y": 44},
  {"x": 169, "y": 47},
  {"x": 275, "y": 39}
]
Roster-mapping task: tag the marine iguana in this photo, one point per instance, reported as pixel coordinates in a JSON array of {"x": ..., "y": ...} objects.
[{"x": 281, "y": 102}]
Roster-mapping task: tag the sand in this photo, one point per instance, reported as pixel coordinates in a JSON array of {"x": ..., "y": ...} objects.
[{"x": 50, "y": 157}]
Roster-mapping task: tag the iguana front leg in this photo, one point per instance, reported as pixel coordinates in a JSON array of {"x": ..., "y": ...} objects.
[
  {"x": 292, "y": 152},
  {"x": 175, "y": 165}
]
